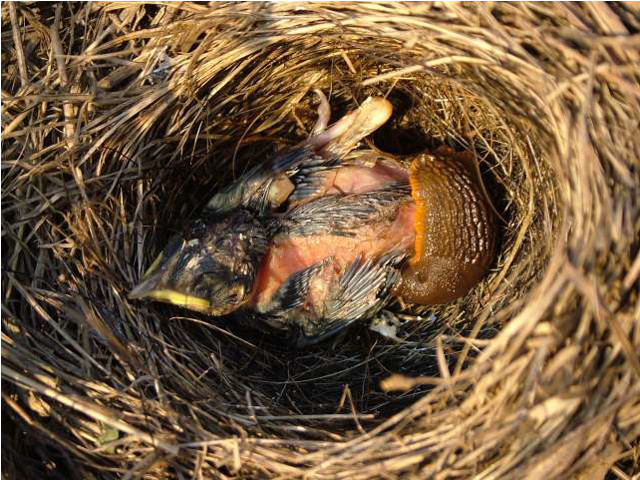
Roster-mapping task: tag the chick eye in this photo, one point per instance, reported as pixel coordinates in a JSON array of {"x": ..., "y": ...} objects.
[
  {"x": 237, "y": 294},
  {"x": 231, "y": 298}
]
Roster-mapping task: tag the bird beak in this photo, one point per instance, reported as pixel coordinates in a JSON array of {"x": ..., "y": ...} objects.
[
  {"x": 150, "y": 280},
  {"x": 155, "y": 266},
  {"x": 146, "y": 287},
  {"x": 154, "y": 287},
  {"x": 149, "y": 289}
]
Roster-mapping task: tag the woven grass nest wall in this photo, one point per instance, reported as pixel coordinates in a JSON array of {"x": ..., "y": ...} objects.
[{"x": 119, "y": 121}]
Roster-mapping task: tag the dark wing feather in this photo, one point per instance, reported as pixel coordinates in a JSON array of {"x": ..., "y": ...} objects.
[
  {"x": 251, "y": 191},
  {"x": 360, "y": 293},
  {"x": 342, "y": 215}
]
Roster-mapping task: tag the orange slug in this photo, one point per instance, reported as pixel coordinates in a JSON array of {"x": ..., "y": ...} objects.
[{"x": 455, "y": 229}]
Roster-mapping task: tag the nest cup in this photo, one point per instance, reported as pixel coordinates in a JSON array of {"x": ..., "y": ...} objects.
[{"x": 149, "y": 109}]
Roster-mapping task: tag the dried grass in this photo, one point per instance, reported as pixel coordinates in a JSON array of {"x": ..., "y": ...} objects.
[{"x": 119, "y": 120}]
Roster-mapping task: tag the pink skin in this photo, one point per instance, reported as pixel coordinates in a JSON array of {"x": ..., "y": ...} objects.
[{"x": 362, "y": 179}]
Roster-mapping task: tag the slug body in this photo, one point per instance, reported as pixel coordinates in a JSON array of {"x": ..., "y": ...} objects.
[
  {"x": 325, "y": 235},
  {"x": 455, "y": 230}
]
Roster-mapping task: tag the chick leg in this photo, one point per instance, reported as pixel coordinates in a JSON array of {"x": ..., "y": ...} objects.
[
  {"x": 344, "y": 135},
  {"x": 324, "y": 114}
]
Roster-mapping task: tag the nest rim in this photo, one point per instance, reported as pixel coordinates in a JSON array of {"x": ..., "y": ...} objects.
[{"x": 196, "y": 113}]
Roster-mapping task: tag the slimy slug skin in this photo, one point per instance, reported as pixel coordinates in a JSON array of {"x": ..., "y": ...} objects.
[{"x": 455, "y": 230}]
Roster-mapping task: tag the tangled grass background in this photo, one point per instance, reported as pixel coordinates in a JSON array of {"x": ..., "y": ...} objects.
[{"x": 120, "y": 120}]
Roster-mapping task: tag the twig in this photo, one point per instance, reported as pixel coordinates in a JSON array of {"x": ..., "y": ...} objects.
[
  {"x": 22, "y": 65},
  {"x": 68, "y": 107}
]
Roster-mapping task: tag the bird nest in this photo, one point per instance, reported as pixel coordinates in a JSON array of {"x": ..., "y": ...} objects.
[{"x": 121, "y": 120}]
